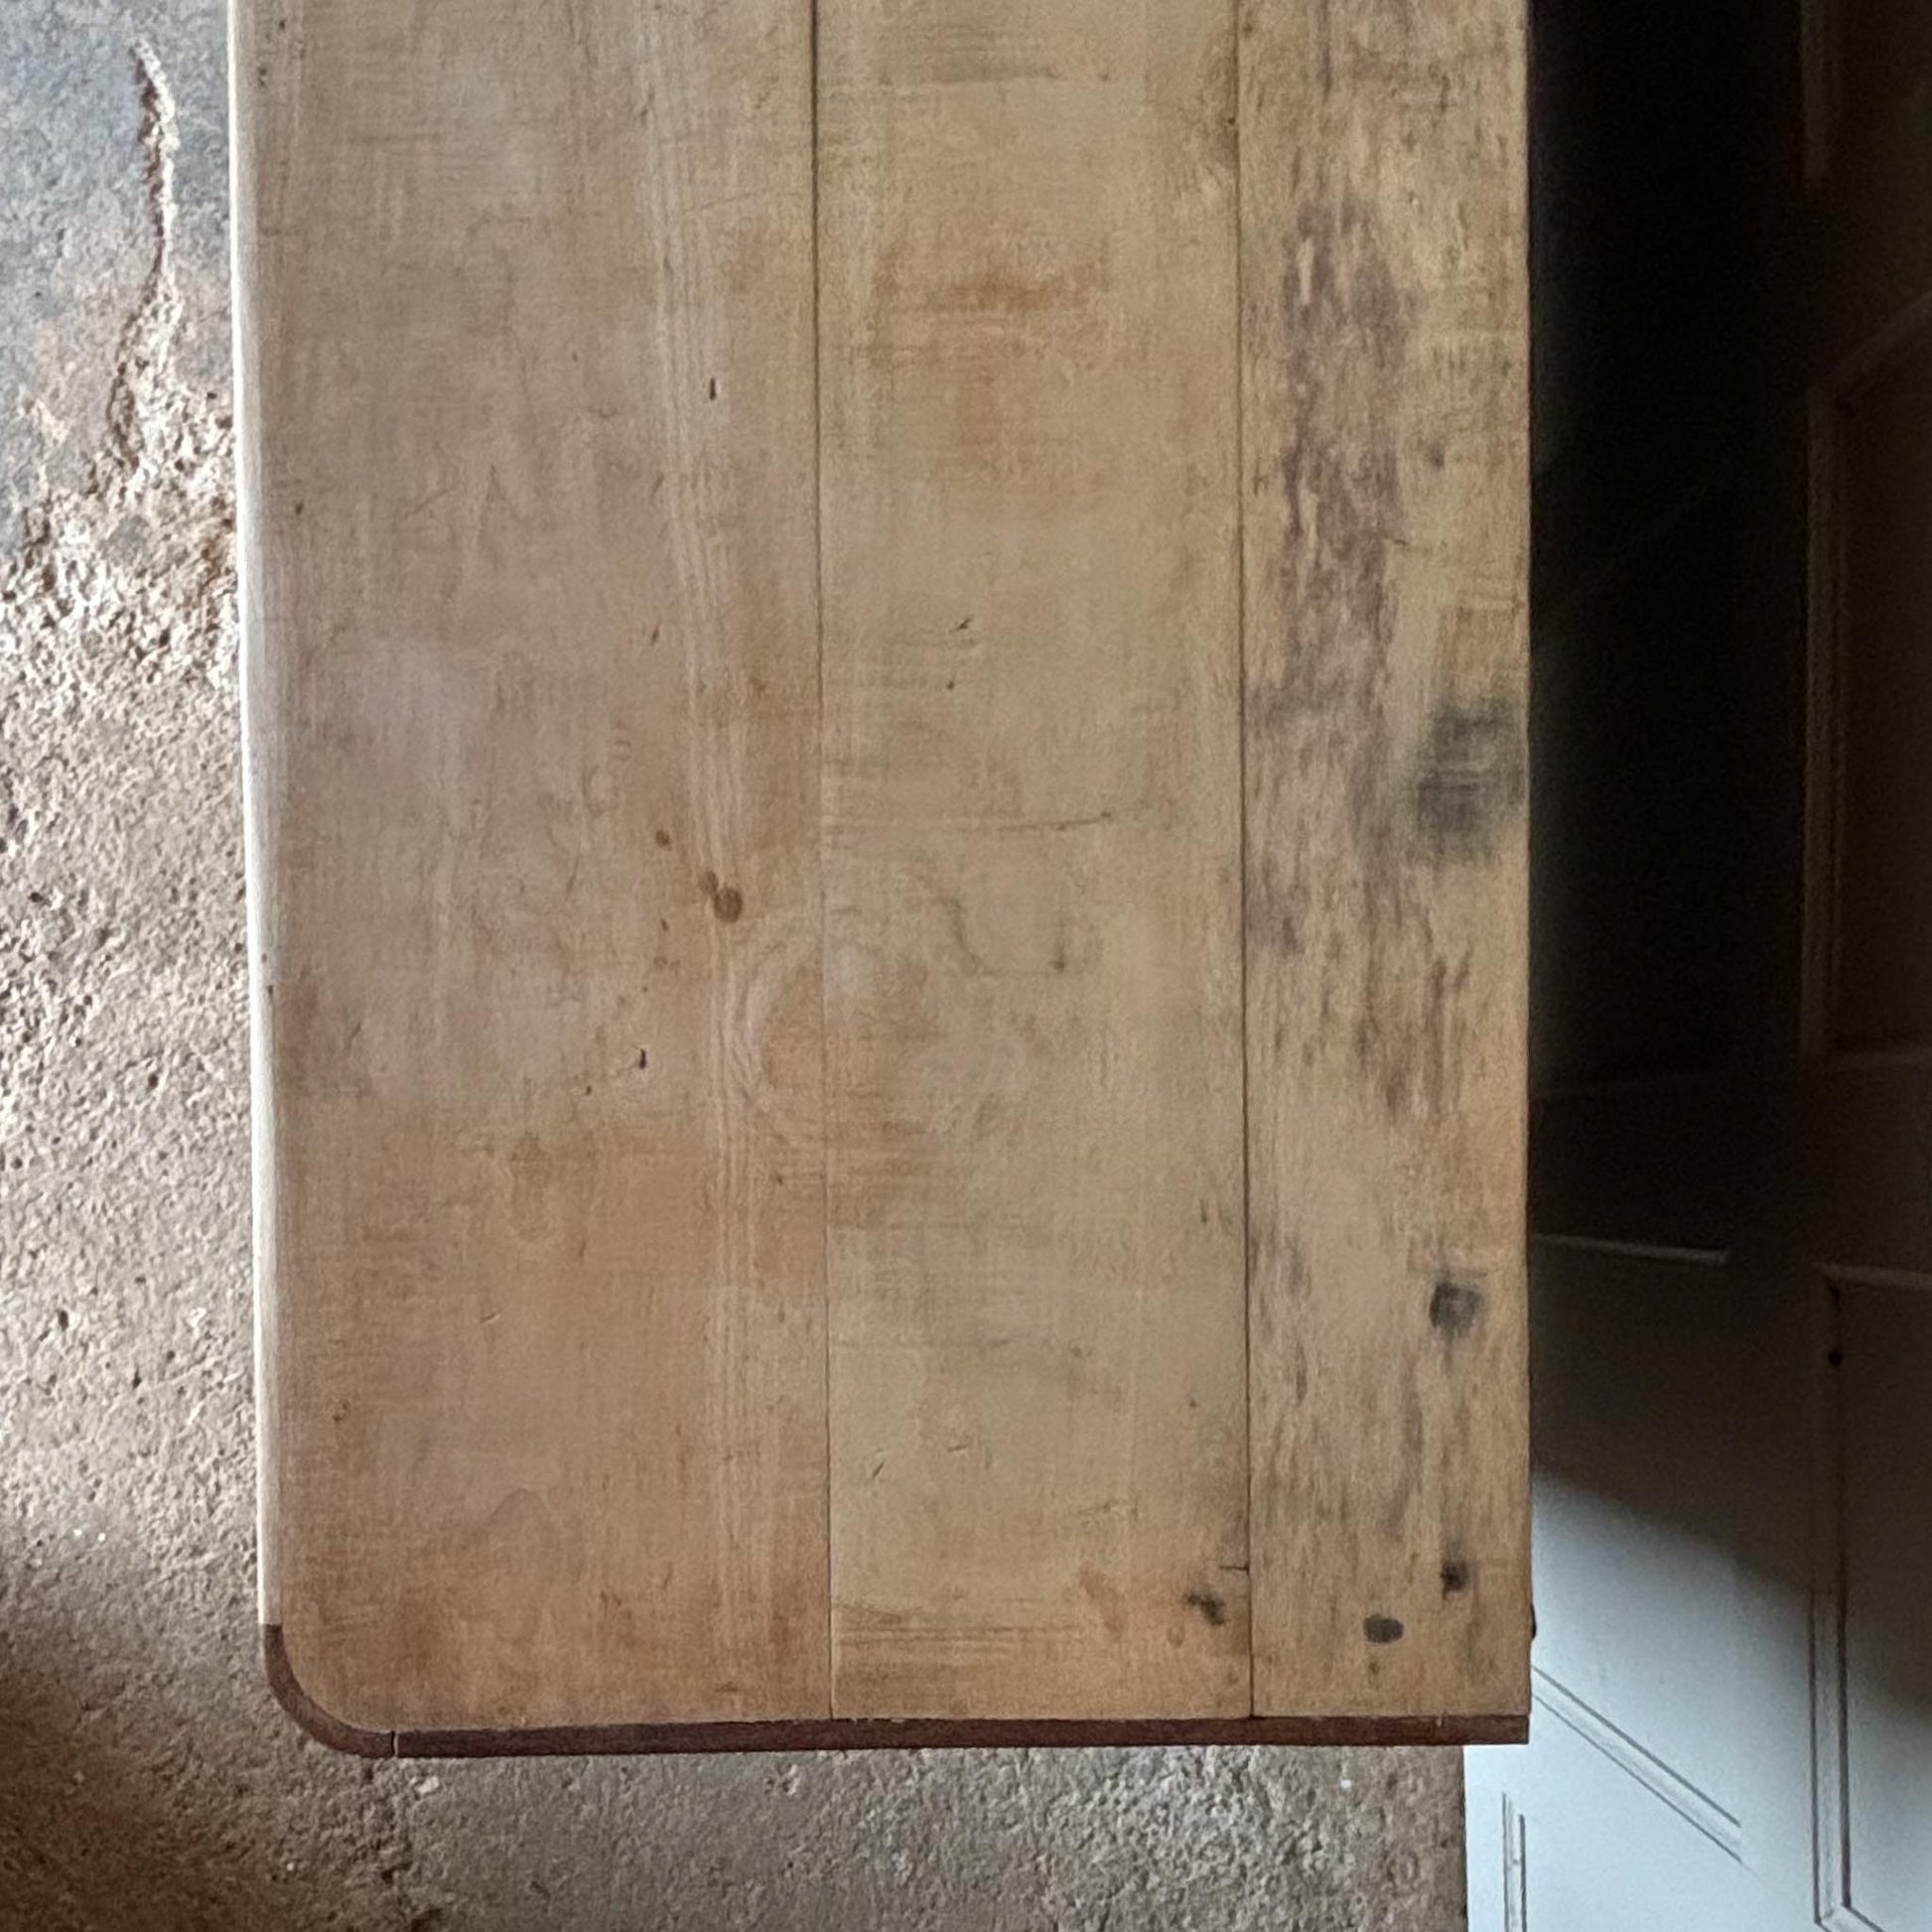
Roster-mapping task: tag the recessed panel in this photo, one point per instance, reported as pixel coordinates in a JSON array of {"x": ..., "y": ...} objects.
[
  {"x": 1641, "y": 1406},
  {"x": 1885, "y": 1343},
  {"x": 1883, "y": 615},
  {"x": 1882, "y": 48},
  {"x": 1637, "y": 736}
]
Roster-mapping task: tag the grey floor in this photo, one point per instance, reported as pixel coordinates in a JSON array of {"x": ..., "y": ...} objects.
[{"x": 146, "y": 1779}]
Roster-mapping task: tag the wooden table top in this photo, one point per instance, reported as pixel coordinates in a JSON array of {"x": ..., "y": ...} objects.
[{"x": 885, "y": 702}]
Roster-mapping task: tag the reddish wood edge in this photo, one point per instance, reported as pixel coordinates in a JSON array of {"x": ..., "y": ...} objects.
[{"x": 869, "y": 1733}]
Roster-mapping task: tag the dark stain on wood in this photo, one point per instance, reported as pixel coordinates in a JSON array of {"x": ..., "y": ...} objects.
[
  {"x": 1455, "y": 1307},
  {"x": 1213, "y": 1609},
  {"x": 1385, "y": 781},
  {"x": 727, "y": 901},
  {"x": 1340, "y": 481},
  {"x": 1471, "y": 779},
  {"x": 1322, "y": 725},
  {"x": 1274, "y": 910}
]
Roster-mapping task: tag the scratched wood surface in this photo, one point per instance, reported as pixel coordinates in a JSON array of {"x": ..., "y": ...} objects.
[
  {"x": 884, "y": 672},
  {"x": 533, "y": 746},
  {"x": 1033, "y": 836},
  {"x": 1385, "y": 535}
]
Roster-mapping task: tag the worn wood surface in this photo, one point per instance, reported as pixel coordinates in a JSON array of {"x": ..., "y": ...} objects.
[
  {"x": 533, "y": 736},
  {"x": 806, "y": 581},
  {"x": 1384, "y": 421},
  {"x": 1384, "y": 428},
  {"x": 1032, "y": 824}
]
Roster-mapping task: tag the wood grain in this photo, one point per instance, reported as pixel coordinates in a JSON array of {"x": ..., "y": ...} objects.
[
  {"x": 1029, "y": 332},
  {"x": 885, "y": 678},
  {"x": 527, "y": 370},
  {"x": 1385, "y": 540}
]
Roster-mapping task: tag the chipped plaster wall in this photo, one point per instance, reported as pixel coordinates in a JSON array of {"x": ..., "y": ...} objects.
[{"x": 146, "y": 1779}]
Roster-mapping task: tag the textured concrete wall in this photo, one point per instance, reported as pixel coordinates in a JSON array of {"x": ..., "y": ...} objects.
[{"x": 146, "y": 1779}]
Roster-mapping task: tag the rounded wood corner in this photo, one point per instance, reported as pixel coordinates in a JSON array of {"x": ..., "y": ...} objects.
[
  {"x": 354, "y": 1740},
  {"x": 811, "y": 1735}
]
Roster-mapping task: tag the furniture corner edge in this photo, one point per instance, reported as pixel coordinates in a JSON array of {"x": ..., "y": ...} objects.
[{"x": 325, "y": 1728}]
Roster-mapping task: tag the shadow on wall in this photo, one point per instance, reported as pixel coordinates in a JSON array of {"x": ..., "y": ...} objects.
[
  {"x": 144, "y": 1788},
  {"x": 92, "y": 1829}
]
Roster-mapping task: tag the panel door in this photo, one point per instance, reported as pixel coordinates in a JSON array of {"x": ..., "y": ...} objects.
[{"x": 1732, "y": 1167}]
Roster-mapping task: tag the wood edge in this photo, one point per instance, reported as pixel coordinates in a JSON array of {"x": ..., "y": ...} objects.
[
  {"x": 870, "y": 1733},
  {"x": 259, "y": 766},
  {"x": 943, "y": 1733},
  {"x": 324, "y": 1727},
  {"x": 949, "y": 1733}
]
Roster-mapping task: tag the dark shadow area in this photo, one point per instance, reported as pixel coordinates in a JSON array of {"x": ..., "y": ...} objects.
[
  {"x": 1665, "y": 683},
  {"x": 1693, "y": 1370}
]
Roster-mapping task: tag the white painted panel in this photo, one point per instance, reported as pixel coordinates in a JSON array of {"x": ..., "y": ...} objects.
[
  {"x": 1885, "y": 1336},
  {"x": 1641, "y": 1431},
  {"x": 1597, "y": 1852}
]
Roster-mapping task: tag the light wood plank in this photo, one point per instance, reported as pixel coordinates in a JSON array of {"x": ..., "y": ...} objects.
[
  {"x": 1383, "y": 424},
  {"x": 537, "y": 493},
  {"x": 1030, "y": 513},
  {"x": 527, "y": 378}
]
